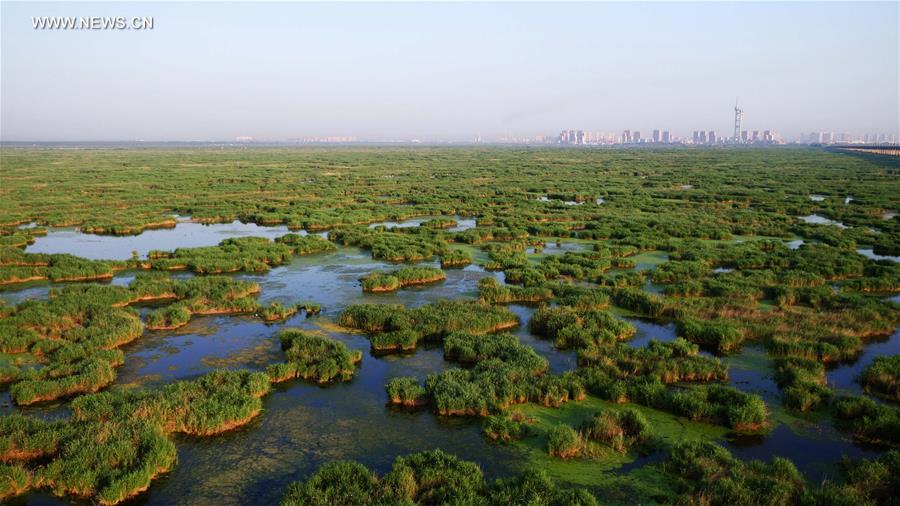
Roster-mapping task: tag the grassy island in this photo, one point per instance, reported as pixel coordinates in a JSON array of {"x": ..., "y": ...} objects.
[
  {"x": 882, "y": 377},
  {"x": 314, "y": 358},
  {"x": 396, "y": 328},
  {"x": 407, "y": 276}
]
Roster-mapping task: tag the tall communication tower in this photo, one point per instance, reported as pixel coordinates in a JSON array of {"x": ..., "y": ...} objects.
[{"x": 738, "y": 116}]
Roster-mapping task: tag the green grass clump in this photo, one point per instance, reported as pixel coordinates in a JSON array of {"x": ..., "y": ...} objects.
[
  {"x": 563, "y": 442},
  {"x": 708, "y": 474},
  {"x": 113, "y": 461},
  {"x": 395, "y": 341},
  {"x": 276, "y": 311},
  {"x": 508, "y": 256},
  {"x": 8, "y": 373},
  {"x": 434, "y": 477},
  {"x": 621, "y": 374},
  {"x": 338, "y": 482},
  {"x": 17, "y": 266},
  {"x": 864, "y": 481},
  {"x": 380, "y": 282},
  {"x": 169, "y": 317},
  {"x": 882, "y": 377},
  {"x": 250, "y": 254},
  {"x": 580, "y": 297},
  {"x": 504, "y": 428},
  {"x": 305, "y": 244},
  {"x": 202, "y": 295},
  {"x": 579, "y": 329},
  {"x": 419, "y": 275},
  {"x": 472, "y": 348},
  {"x": 506, "y": 373},
  {"x": 24, "y": 438},
  {"x": 494, "y": 385},
  {"x": 620, "y": 430},
  {"x": 314, "y": 358},
  {"x": 431, "y": 477},
  {"x": 720, "y": 336},
  {"x": 536, "y": 487},
  {"x": 803, "y": 382},
  {"x": 455, "y": 258},
  {"x": 679, "y": 271},
  {"x": 492, "y": 292},
  {"x": 439, "y": 223},
  {"x": 721, "y": 405},
  {"x": 641, "y": 302},
  {"x": 581, "y": 265},
  {"x": 116, "y": 443},
  {"x": 406, "y": 391},
  {"x": 673, "y": 362},
  {"x": 83, "y": 372},
  {"x": 374, "y": 317},
  {"x": 868, "y": 421},
  {"x": 406, "y": 276},
  {"x": 399, "y": 245},
  {"x": 401, "y": 329},
  {"x": 14, "y": 480}
]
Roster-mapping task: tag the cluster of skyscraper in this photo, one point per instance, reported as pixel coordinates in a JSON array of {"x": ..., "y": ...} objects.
[
  {"x": 331, "y": 139},
  {"x": 745, "y": 137},
  {"x": 657, "y": 136},
  {"x": 700, "y": 137},
  {"x": 581, "y": 137},
  {"x": 845, "y": 138}
]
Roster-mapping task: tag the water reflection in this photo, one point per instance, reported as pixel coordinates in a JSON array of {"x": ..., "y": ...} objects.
[
  {"x": 461, "y": 223},
  {"x": 815, "y": 219},
  {"x": 560, "y": 361},
  {"x": 870, "y": 253},
  {"x": 648, "y": 330},
  {"x": 813, "y": 449},
  {"x": 12, "y": 295},
  {"x": 844, "y": 376},
  {"x": 184, "y": 235},
  {"x": 795, "y": 244}
]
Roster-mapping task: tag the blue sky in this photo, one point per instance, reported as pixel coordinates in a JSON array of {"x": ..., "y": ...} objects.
[{"x": 447, "y": 71}]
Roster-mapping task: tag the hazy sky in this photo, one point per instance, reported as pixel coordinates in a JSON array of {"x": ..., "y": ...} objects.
[{"x": 214, "y": 71}]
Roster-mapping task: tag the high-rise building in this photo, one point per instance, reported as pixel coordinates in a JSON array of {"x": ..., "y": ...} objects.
[
  {"x": 571, "y": 136},
  {"x": 656, "y": 136},
  {"x": 754, "y": 137},
  {"x": 711, "y": 138},
  {"x": 696, "y": 137},
  {"x": 579, "y": 137},
  {"x": 626, "y": 137},
  {"x": 665, "y": 137},
  {"x": 767, "y": 136},
  {"x": 702, "y": 137},
  {"x": 745, "y": 136},
  {"x": 636, "y": 136}
]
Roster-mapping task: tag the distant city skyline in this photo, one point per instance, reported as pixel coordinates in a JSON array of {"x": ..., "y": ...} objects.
[{"x": 450, "y": 72}]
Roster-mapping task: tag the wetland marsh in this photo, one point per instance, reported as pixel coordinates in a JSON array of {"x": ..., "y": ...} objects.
[{"x": 401, "y": 301}]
